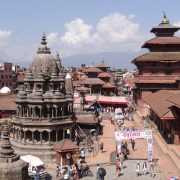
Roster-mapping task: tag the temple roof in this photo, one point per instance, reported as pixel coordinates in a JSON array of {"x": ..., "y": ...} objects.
[
  {"x": 159, "y": 104},
  {"x": 7, "y": 102},
  {"x": 158, "y": 56},
  {"x": 175, "y": 100},
  {"x": 92, "y": 69},
  {"x": 165, "y": 28},
  {"x": 87, "y": 119},
  {"x": 65, "y": 145},
  {"x": 43, "y": 60},
  {"x": 156, "y": 79},
  {"x": 161, "y": 41},
  {"x": 103, "y": 65},
  {"x": 103, "y": 75},
  {"x": 108, "y": 85},
  {"x": 93, "y": 81}
]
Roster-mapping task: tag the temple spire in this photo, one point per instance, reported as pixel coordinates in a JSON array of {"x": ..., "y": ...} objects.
[
  {"x": 58, "y": 60},
  {"x": 43, "y": 49},
  {"x": 165, "y": 19},
  {"x": 6, "y": 151}
]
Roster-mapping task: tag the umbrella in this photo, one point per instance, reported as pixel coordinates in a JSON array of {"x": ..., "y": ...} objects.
[{"x": 101, "y": 172}]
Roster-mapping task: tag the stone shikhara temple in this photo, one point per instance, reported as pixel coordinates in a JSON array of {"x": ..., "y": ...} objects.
[
  {"x": 44, "y": 106},
  {"x": 11, "y": 166}
]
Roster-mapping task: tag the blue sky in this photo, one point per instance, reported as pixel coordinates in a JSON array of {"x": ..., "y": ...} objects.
[{"x": 79, "y": 27}]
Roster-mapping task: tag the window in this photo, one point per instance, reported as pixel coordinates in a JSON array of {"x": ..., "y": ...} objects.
[{"x": 2, "y": 76}]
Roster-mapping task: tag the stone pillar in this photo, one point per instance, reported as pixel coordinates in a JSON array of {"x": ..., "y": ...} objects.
[
  {"x": 49, "y": 137},
  {"x": 13, "y": 133},
  {"x": 64, "y": 131},
  {"x": 40, "y": 114},
  {"x": 56, "y": 135},
  {"x": 17, "y": 134},
  {"x": 56, "y": 112},
  {"x": 48, "y": 115},
  {"x": 52, "y": 112},
  {"x": 70, "y": 134},
  {"x": 27, "y": 111},
  {"x": 33, "y": 136},
  {"x": 63, "y": 111},
  {"x": 41, "y": 137},
  {"x": 24, "y": 137},
  {"x": 21, "y": 135}
]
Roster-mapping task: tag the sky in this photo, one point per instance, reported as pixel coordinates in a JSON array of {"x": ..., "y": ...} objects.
[{"x": 75, "y": 27}]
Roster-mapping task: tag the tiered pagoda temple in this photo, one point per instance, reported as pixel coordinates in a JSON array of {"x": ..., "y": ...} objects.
[
  {"x": 160, "y": 67},
  {"x": 44, "y": 106}
]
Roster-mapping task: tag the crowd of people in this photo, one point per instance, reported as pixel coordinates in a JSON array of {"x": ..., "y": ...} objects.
[
  {"x": 73, "y": 170},
  {"x": 144, "y": 168}
]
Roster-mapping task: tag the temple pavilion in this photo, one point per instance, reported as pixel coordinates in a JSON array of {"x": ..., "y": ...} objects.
[{"x": 44, "y": 106}]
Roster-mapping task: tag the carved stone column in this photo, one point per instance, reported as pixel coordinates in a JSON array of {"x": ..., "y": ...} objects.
[
  {"x": 56, "y": 135},
  {"x": 24, "y": 137},
  {"x": 33, "y": 136},
  {"x": 41, "y": 137},
  {"x": 64, "y": 133},
  {"x": 49, "y": 137}
]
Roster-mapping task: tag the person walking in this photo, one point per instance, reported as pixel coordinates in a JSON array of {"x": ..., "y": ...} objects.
[
  {"x": 118, "y": 169},
  {"x": 133, "y": 144},
  {"x": 137, "y": 169},
  {"x": 102, "y": 146},
  {"x": 152, "y": 170},
  {"x": 82, "y": 155},
  {"x": 68, "y": 158},
  {"x": 121, "y": 157},
  {"x": 97, "y": 175},
  {"x": 57, "y": 172},
  {"x": 144, "y": 167}
]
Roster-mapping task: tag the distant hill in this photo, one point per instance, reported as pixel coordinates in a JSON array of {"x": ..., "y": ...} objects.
[{"x": 116, "y": 60}]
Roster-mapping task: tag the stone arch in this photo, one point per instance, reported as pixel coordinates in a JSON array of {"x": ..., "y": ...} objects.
[
  {"x": 44, "y": 111},
  {"x": 28, "y": 136},
  {"x": 37, "y": 111},
  {"x": 36, "y": 136},
  {"x": 53, "y": 136},
  {"x": 44, "y": 136},
  {"x": 38, "y": 87}
]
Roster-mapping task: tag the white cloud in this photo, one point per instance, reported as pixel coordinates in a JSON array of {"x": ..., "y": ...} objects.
[
  {"x": 113, "y": 33},
  {"x": 178, "y": 25},
  {"x": 4, "y": 37}
]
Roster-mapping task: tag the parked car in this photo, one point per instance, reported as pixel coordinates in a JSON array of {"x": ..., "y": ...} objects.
[
  {"x": 118, "y": 115},
  {"x": 36, "y": 166}
]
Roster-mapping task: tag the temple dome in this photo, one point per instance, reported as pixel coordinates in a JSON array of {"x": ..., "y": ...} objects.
[
  {"x": 5, "y": 90},
  {"x": 43, "y": 60}
]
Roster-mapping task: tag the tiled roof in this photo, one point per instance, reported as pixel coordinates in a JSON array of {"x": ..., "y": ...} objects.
[
  {"x": 175, "y": 100},
  {"x": 156, "y": 79},
  {"x": 162, "y": 41},
  {"x": 86, "y": 119},
  {"x": 104, "y": 75},
  {"x": 76, "y": 83},
  {"x": 93, "y": 81},
  {"x": 159, "y": 104},
  {"x": 65, "y": 145},
  {"x": 92, "y": 69},
  {"x": 108, "y": 85},
  {"x": 103, "y": 65},
  {"x": 158, "y": 56},
  {"x": 82, "y": 88},
  {"x": 7, "y": 102}
]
